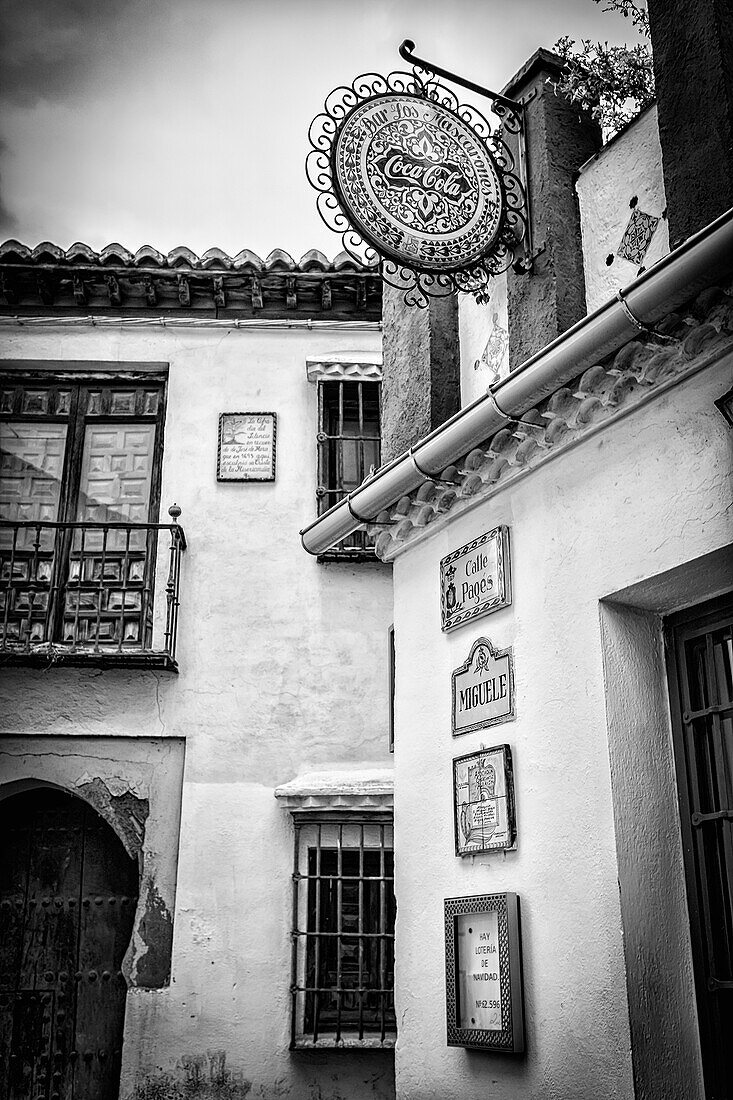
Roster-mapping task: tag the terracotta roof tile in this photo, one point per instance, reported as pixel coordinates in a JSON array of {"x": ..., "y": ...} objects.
[
  {"x": 13, "y": 251},
  {"x": 147, "y": 256},
  {"x": 621, "y": 382},
  {"x": 279, "y": 258}
]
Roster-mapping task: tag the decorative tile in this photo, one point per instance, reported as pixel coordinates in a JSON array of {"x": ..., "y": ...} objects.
[
  {"x": 123, "y": 402},
  {"x": 637, "y": 237},
  {"x": 35, "y": 401}
]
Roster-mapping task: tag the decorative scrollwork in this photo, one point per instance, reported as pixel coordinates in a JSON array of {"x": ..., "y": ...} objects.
[{"x": 418, "y": 183}]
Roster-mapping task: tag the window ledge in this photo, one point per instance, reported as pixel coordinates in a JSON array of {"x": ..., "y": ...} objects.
[
  {"x": 365, "y": 790},
  {"x": 348, "y": 556},
  {"x": 346, "y": 1042},
  {"x": 46, "y": 656}
]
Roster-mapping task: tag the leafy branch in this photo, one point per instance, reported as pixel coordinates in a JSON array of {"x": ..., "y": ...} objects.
[{"x": 612, "y": 83}]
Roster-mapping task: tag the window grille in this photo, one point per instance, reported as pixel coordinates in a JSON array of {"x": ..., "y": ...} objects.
[
  {"x": 348, "y": 449},
  {"x": 700, "y": 664},
  {"x": 343, "y": 934}
]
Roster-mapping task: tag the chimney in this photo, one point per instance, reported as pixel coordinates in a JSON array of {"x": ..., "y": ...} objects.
[
  {"x": 421, "y": 382},
  {"x": 692, "y": 47},
  {"x": 547, "y": 300}
]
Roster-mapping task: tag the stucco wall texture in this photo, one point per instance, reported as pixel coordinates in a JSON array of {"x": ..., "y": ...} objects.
[
  {"x": 646, "y": 495},
  {"x": 268, "y": 639},
  {"x": 627, "y": 170}
]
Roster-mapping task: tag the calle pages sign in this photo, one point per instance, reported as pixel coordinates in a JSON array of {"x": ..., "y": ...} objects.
[
  {"x": 483, "y": 688},
  {"x": 475, "y": 579}
]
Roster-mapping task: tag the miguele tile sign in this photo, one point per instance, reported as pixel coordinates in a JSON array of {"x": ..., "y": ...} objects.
[
  {"x": 475, "y": 579},
  {"x": 483, "y": 688}
]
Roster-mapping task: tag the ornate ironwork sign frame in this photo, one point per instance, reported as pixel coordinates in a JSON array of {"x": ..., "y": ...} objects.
[
  {"x": 418, "y": 182},
  {"x": 484, "y": 815},
  {"x": 483, "y": 957}
]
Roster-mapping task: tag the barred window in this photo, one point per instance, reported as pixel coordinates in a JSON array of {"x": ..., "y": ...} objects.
[
  {"x": 343, "y": 934},
  {"x": 348, "y": 448}
]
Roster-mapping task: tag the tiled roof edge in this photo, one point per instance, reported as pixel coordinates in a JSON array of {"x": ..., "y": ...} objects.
[
  {"x": 15, "y": 252},
  {"x": 688, "y": 341}
]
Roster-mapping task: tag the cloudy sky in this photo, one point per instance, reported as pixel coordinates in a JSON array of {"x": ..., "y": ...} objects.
[{"x": 171, "y": 122}]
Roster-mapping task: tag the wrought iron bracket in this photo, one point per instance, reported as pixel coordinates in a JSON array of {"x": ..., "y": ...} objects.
[
  {"x": 511, "y": 113},
  {"x": 406, "y": 53}
]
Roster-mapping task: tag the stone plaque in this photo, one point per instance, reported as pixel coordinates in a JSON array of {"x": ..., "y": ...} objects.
[
  {"x": 483, "y": 801},
  {"x": 475, "y": 579},
  {"x": 246, "y": 446},
  {"x": 483, "y": 688}
]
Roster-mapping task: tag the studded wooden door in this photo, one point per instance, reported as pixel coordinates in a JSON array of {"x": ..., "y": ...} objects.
[{"x": 68, "y": 892}]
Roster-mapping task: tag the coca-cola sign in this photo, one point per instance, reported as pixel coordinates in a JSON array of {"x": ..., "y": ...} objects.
[{"x": 417, "y": 182}]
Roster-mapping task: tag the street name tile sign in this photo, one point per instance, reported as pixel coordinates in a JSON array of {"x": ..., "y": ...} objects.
[
  {"x": 483, "y": 688},
  {"x": 475, "y": 579}
]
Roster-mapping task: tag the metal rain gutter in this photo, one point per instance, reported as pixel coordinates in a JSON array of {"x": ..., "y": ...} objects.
[{"x": 672, "y": 281}]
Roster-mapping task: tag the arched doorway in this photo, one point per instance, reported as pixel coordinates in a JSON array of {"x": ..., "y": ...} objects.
[{"x": 68, "y": 893}]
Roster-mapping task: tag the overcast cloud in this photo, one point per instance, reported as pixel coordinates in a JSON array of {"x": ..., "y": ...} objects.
[{"x": 185, "y": 121}]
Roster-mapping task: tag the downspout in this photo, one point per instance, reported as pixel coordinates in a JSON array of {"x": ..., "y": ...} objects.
[{"x": 675, "y": 279}]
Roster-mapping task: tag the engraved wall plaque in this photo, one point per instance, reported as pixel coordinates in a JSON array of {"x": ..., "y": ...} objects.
[{"x": 247, "y": 443}]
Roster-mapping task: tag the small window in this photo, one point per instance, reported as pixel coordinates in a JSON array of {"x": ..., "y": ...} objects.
[
  {"x": 343, "y": 939},
  {"x": 348, "y": 450}
]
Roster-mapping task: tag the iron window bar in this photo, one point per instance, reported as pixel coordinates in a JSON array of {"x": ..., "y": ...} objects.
[
  {"x": 344, "y": 403},
  {"x": 340, "y": 1011},
  {"x": 86, "y": 589},
  {"x": 705, "y": 669}
]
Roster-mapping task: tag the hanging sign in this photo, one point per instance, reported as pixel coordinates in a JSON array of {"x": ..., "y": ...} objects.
[
  {"x": 483, "y": 801},
  {"x": 418, "y": 181},
  {"x": 483, "y": 688},
  {"x": 475, "y": 579},
  {"x": 483, "y": 971}
]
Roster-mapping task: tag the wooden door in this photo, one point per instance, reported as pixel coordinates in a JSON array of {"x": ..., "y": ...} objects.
[{"x": 68, "y": 892}]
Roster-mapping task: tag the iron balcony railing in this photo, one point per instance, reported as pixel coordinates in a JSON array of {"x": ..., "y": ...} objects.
[{"x": 79, "y": 591}]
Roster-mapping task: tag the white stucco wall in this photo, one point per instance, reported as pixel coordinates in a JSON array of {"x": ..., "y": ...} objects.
[
  {"x": 484, "y": 340},
  {"x": 628, "y": 167},
  {"x": 649, "y": 493},
  {"x": 268, "y": 640}
]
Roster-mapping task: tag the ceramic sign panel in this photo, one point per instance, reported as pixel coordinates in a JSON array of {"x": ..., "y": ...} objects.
[
  {"x": 475, "y": 579},
  {"x": 246, "y": 446},
  {"x": 483, "y": 801},
  {"x": 483, "y": 688}
]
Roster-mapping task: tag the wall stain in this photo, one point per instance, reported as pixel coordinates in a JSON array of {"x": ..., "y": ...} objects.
[
  {"x": 125, "y": 812},
  {"x": 203, "y": 1077},
  {"x": 155, "y": 931}
]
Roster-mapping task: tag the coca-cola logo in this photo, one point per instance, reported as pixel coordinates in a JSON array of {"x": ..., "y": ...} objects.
[{"x": 401, "y": 170}]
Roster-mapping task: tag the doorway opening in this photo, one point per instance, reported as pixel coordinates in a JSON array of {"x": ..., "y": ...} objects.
[{"x": 68, "y": 895}]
